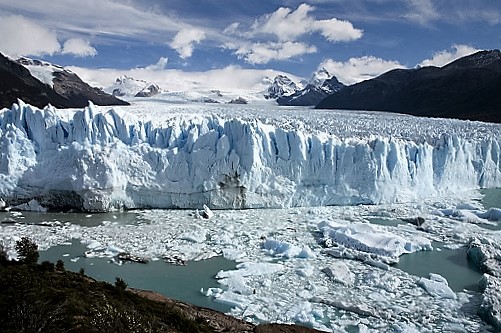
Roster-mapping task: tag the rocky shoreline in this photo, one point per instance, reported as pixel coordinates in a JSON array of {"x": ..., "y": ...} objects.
[{"x": 219, "y": 321}]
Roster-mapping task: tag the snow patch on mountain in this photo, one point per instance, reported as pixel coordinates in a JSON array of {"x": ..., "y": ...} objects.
[{"x": 41, "y": 70}]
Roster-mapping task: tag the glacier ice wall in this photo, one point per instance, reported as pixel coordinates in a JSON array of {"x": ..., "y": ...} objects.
[{"x": 98, "y": 161}]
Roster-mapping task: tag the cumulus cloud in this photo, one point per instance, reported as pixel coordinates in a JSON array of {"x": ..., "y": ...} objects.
[
  {"x": 23, "y": 37},
  {"x": 444, "y": 57},
  {"x": 185, "y": 40},
  {"x": 359, "y": 69},
  {"x": 335, "y": 30},
  {"x": 20, "y": 36},
  {"x": 288, "y": 25},
  {"x": 262, "y": 53},
  {"x": 78, "y": 47}
]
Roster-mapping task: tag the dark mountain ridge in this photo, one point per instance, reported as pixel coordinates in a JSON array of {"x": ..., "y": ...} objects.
[
  {"x": 68, "y": 90},
  {"x": 467, "y": 88}
]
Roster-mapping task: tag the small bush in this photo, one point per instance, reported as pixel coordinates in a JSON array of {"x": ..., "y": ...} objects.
[
  {"x": 60, "y": 265},
  {"x": 47, "y": 266},
  {"x": 27, "y": 251},
  {"x": 120, "y": 284}
]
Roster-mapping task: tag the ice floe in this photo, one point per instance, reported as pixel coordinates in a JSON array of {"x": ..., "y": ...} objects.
[{"x": 437, "y": 286}]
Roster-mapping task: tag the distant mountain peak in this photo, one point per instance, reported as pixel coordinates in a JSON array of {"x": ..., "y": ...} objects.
[
  {"x": 282, "y": 85},
  {"x": 318, "y": 78},
  {"x": 320, "y": 86},
  {"x": 127, "y": 86}
]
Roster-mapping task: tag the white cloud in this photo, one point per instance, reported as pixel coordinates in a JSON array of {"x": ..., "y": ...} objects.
[
  {"x": 444, "y": 57},
  {"x": 184, "y": 41},
  {"x": 359, "y": 69},
  {"x": 288, "y": 25},
  {"x": 422, "y": 11},
  {"x": 230, "y": 78},
  {"x": 335, "y": 30},
  {"x": 232, "y": 28},
  {"x": 99, "y": 18},
  {"x": 159, "y": 66},
  {"x": 20, "y": 36},
  {"x": 262, "y": 53},
  {"x": 78, "y": 47}
]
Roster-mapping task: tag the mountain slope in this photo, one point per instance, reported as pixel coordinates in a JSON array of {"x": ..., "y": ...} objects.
[
  {"x": 66, "y": 90},
  {"x": 466, "y": 89}
]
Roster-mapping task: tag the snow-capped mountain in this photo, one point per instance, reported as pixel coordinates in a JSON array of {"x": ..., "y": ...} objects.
[
  {"x": 281, "y": 86},
  {"x": 40, "y": 83},
  {"x": 321, "y": 85},
  {"x": 126, "y": 86}
]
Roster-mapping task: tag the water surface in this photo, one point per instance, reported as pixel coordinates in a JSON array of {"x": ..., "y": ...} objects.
[
  {"x": 177, "y": 282},
  {"x": 451, "y": 264}
]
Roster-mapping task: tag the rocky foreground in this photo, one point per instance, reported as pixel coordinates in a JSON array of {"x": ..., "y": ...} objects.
[{"x": 218, "y": 321}]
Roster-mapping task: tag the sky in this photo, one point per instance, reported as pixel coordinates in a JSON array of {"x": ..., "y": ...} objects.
[{"x": 237, "y": 39}]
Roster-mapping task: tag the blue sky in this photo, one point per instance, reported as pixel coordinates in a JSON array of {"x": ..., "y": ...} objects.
[{"x": 353, "y": 39}]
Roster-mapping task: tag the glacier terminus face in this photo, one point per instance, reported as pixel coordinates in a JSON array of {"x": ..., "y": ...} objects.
[{"x": 161, "y": 155}]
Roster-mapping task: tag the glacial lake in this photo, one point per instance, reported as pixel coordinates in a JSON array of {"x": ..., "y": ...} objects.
[
  {"x": 144, "y": 230},
  {"x": 181, "y": 282}
]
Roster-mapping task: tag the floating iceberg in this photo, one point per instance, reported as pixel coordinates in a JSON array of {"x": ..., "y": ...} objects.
[{"x": 366, "y": 238}]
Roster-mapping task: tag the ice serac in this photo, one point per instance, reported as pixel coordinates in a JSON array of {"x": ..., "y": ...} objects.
[{"x": 99, "y": 159}]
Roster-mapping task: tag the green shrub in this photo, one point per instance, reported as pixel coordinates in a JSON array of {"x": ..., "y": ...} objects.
[
  {"x": 27, "y": 251},
  {"x": 60, "y": 265},
  {"x": 120, "y": 284}
]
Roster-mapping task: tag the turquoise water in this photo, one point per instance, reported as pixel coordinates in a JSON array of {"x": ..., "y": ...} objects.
[
  {"x": 491, "y": 198},
  {"x": 86, "y": 220},
  {"x": 451, "y": 264},
  {"x": 386, "y": 222},
  {"x": 177, "y": 282}
]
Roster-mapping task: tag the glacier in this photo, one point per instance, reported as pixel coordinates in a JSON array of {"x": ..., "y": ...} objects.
[{"x": 159, "y": 156}]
